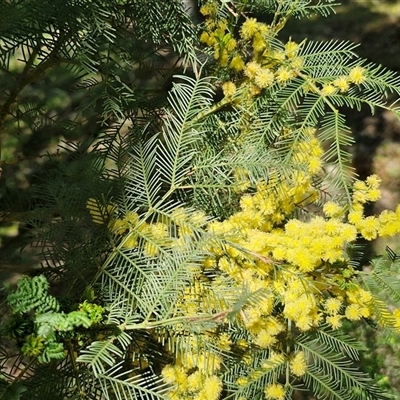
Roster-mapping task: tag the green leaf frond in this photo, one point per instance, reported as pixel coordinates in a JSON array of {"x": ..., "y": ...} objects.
[
  {"x": 322, "y": 7},
  {"x": 119, "y": 384},
  {"x": 334, "y": 131},
  {"x": 298, "y": 9},
  {"x": 216, "y": 178},
  {"x": 136, "y": 278},
  {"x": 382, "y": 282},
  {"x": 382, "y": 279},
  {"x": 116, "y": 69},
  {"x": 189, "y": 100},
  {"x": 176, "y": 27},
  {"x": 100, "y": 354},
  {"x": 57, "y": 380},
  {"x": 340, "y": 343},
  {"x": 32, "y": 294},
  {"x": 328, "y": 58},
  {"x": 312, "y": 109},
  {"x": 59, "y": 217},
  {"x": 330, "y": 375},
  {"x": 305, "y": 8},
  {"x": 143, "y": 184},
  {"x": 381, "y": 79}
]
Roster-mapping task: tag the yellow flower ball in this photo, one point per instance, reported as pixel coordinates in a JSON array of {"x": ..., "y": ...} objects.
[
  {"x": 249, "y": 28},
  {"x": 275, "y": 391},
  {"x": 357, "y": 75}
]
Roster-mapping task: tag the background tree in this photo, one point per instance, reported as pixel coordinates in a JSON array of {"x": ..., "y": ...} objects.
[{"x": 199, "y": 239}]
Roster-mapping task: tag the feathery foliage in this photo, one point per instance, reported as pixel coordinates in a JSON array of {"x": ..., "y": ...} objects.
[{"x": 199, "y": 243}]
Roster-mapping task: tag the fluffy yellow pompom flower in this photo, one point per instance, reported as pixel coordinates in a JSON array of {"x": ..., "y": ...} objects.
[
  {"x": 275, "y": 391},
  {"x": 118, "y": 226},
  {"x": 249, "y": 28},
  {"x": 332, "y": 209},
  {"x": 251, "y": 69},
  {"x": 314, "y": 165},
  {"x": 373, "y": 181},
  {"x": 242, "y": 381},
  {"x": 284, "y": 74},
  {"x": 237, "y": 63},
  {"x": 224, "y": 342},
  {"x": 195, "y": 380},
  {"x": 291, "y": 49},
  {"x": 205, "y": 38},
  {"x": 169, "y": 374},
  {"x": 304, "y": 322},
  {"x": 332, "y": 305},
  {"x": 229, "y": 89},
  {"x": 389, "y": 223},
  {"x": 264, "y": 78},
  {"x": 342, "y": 83},
  {"x": 360, "y": 196},
  {"x": 209, "y": 9},
  {"x": 353, "y": 312},
  {"x": 297, "y": 63},
  {"x": 212, "y": 388},
  {"x": 277, "y": 55},
  {"x": 357, "y": 75},
  {"x": 369, "y": 227},
  {"x": 364, "y": 296},
  {"x": 374, "y": 194},
  {"x": 327, "y": 90},
  {"x": 130, "y": 241},
  {"x": 231, "y": 44},
  {"x": 265, "y": 340},
  {"x": 259, "y": 43},
  {"x": 334, "y": 321},
  {"x": 298, "y": 364},
  {"x": 175, "y": 375},
  {"x": 355, "y": 217}
]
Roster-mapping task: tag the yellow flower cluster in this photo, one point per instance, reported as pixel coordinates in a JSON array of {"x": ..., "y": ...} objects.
[
  {"x": 271, "y": 65},
  {"x": 134, "y": 231},
  {"x": 356, "y": 76},
  {"x": 267, "y": 64},
  {"x": 218, "y": 37},
  {"x": 303, "y": 265},
  {"x": 195, "y": 375},
  {"x": 298, "y": 364},
  {"x": 191, "y": 385},
  {"x": 275, "y": 391},
  {"x": 300, "y": 267},
  {"x": 385, "y": 224},
  {"x": 209, "y": 9}
]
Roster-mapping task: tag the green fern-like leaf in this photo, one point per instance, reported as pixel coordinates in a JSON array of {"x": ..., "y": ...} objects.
[
  {"x": 331, "y": 376},
  {"x": 32, "y": 294},
  {"x": 100, "y": 354},
  {"x": 121, "y": 385}
]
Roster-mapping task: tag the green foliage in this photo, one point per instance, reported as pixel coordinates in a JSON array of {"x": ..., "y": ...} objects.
[
  {"x": 201, "y": 238},
  {"x": 32, "y": 294},
  {"x": 37, "y": 311}
]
